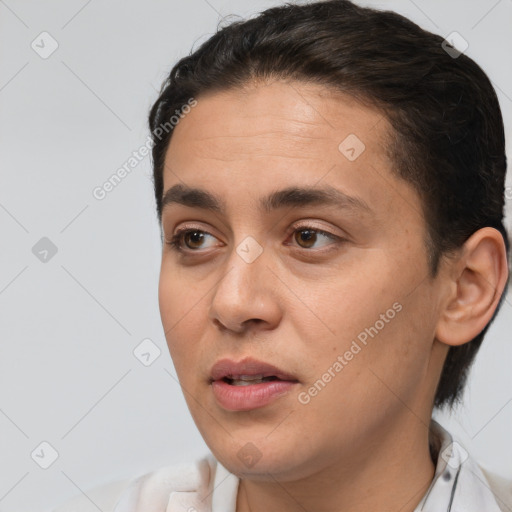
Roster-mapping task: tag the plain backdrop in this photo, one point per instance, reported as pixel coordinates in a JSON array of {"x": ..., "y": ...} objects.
[{"x": 78, "y": 275}]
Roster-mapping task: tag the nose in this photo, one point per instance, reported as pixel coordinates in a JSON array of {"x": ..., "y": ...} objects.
[{"x": 246, "y": 296}]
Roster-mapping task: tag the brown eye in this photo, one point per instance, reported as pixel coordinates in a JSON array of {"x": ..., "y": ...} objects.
[
  {"x": 193, "y": 239},
  {"x": 306, "y": 238},
  {"x": 309, "y": 237}
]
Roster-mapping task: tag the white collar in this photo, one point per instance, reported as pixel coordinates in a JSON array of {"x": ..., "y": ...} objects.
[{"x": 458, "y": 483}]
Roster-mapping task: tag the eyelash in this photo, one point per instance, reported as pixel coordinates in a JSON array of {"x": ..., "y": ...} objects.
[{"x": 176, "y": 244}]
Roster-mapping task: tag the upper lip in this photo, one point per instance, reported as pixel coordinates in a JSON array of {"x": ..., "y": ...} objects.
[{"x": 234, "y": 369}]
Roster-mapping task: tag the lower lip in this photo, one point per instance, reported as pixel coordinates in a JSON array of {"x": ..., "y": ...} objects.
[{"x": 245, "y": 398}]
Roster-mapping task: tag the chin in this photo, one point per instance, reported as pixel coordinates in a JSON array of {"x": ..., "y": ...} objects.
[{"x": 263, "y": 459}]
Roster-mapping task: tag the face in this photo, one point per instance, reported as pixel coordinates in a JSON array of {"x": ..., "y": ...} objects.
[{"x": 301, "y": 322}]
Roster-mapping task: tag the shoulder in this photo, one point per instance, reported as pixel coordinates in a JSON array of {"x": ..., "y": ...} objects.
[
  {"x": 501, "y": 488},
  {"x": 149, "y": 491}
]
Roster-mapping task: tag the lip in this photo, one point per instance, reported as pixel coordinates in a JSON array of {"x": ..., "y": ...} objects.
[
  {"x": 253, "y": 396},
  {"x": 248, "y": 366}
]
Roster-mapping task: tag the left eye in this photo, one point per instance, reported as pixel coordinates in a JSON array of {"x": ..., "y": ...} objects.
[{"x": 306, "y": 237}]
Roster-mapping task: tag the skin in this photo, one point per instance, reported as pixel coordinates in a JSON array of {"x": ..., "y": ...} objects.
[{"x": 362, "y": 442}]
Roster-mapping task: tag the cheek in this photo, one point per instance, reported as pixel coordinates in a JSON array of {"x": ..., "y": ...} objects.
[
  {"x": 379, "y": 325},
  {"x": 179, "y": 311},
  {"x": 346, "y": 302},
  {"x": 178, "y": 296}
]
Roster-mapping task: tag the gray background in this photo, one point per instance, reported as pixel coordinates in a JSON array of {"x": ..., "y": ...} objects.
[{"x": 69, "y": 325}]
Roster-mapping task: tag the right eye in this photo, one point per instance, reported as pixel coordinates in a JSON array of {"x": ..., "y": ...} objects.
[{"x": 187, "y": 239}]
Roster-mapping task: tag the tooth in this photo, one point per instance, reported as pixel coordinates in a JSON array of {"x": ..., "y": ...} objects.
[
  {"x": 250, "y": 377},
  {"x": 236, "y": 382}
]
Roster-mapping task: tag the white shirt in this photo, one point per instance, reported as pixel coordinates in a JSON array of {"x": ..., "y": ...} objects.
[{"x": 459, "y": 485}]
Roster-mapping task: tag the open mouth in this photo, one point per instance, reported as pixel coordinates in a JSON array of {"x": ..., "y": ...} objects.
[
  {"x": 248, "y": 384},
  {"x": 247, "y": 372},
  {"x": 248, "y": 380}
]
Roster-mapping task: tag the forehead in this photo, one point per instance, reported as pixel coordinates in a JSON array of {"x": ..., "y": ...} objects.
[
  {"x": 244, "y": 143},
  {"x": 301, "y": 119}
]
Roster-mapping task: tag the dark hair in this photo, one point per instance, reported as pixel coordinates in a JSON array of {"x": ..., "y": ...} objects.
[{"x": 448, "y": 138}]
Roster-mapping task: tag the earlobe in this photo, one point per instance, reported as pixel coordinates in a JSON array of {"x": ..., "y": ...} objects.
[{"x": 479, "y": 275}]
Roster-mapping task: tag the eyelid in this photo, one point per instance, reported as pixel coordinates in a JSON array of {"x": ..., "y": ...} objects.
[
  {"x": 191, "y": 226},
  {"x": 305, "y": 224}
]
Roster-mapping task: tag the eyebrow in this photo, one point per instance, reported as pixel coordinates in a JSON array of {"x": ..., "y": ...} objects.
[{"x": 287, "y": 197}]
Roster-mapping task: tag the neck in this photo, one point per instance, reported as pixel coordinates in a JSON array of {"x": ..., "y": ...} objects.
[{"x": 393, "y": 472}]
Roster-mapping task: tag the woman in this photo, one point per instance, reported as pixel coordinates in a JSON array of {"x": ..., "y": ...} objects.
[{"x": 329, "y": 182}]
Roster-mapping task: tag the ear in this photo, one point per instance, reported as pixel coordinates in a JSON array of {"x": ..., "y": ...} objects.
[{"x": 477, "y": 279}]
